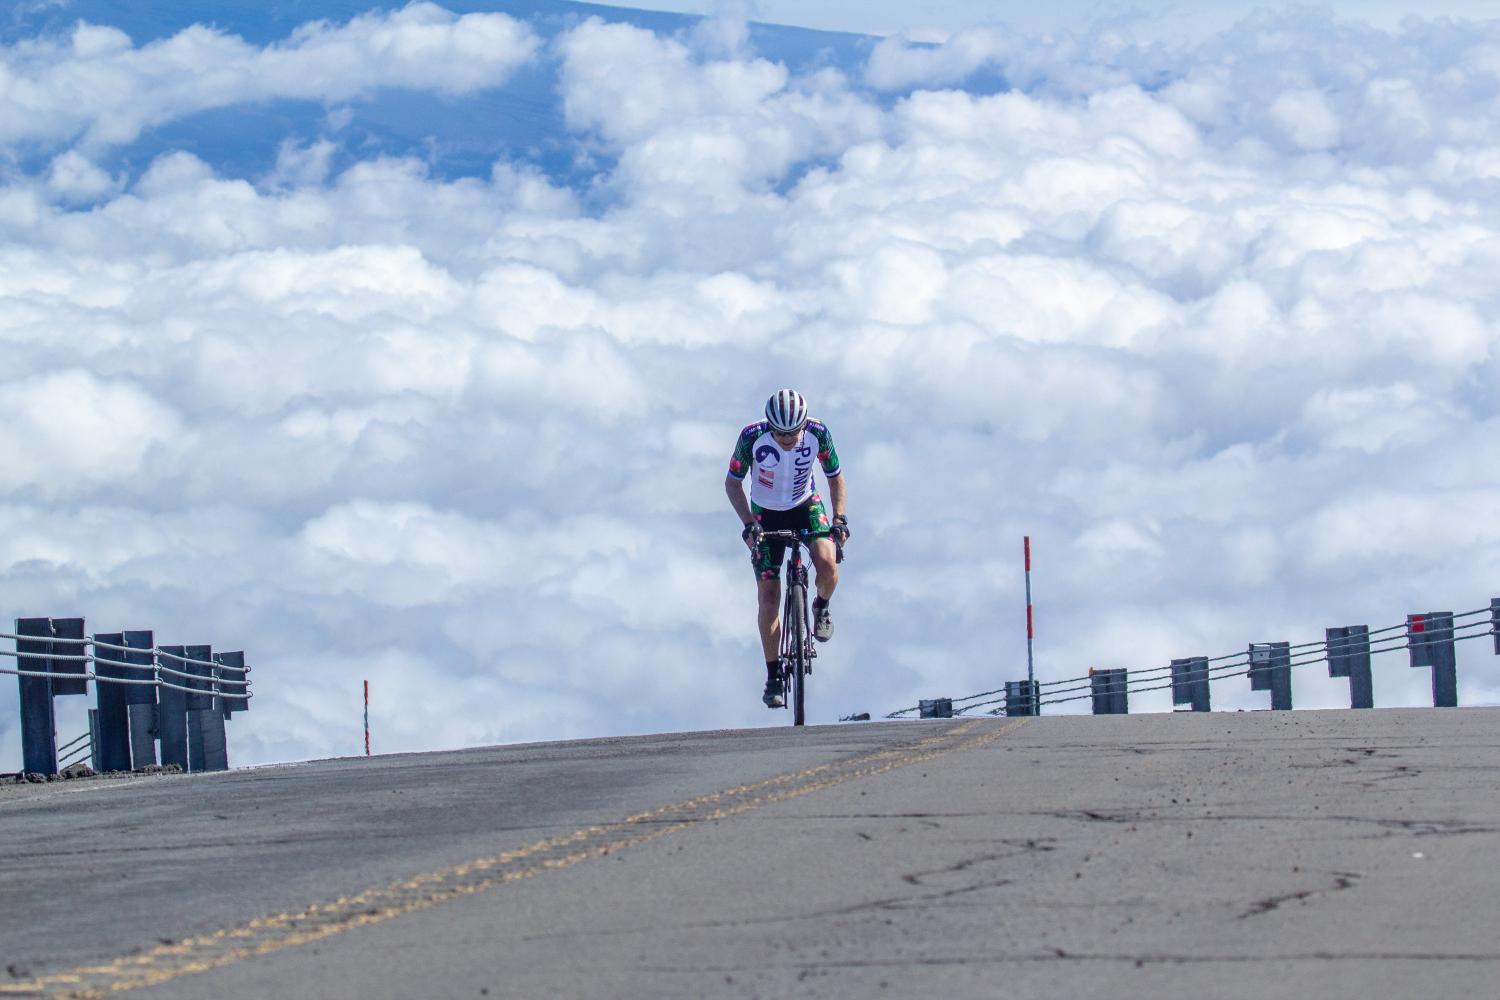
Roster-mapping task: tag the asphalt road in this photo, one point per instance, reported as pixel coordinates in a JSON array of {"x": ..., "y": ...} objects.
[{"x": 1307, "y": 854}]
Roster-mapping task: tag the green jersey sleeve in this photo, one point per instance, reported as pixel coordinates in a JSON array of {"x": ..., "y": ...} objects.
[
  {"x": 739, "y": 462},
  {"x": 828, "y": 455}
]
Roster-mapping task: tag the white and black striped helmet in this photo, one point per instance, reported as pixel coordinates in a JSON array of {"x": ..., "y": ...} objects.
[{"x": 786, "y": 411}]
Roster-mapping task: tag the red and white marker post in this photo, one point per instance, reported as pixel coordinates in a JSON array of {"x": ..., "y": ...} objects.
[{"x": 1030, "y": 630}]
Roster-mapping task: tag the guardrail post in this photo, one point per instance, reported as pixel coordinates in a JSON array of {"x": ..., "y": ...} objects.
[
  {"x": 236, "y": 662},
  {"x": 68, "y": 629},
  {"x": 1099, "y": 692},
  {"x": 1349, "y": 656},
  {"x": 233, "y": 669},
  {"x": 202, "y": 668},
  {"x": 171, "y": 711},
  {"x": 1108, "y": 690},
  {"x": 1190, "y": 682},
  {"x": 199, "y": 706},
  {"x": 38, "y": 720},
  {"x": 67, "y": 647},
  {"x": 140, "y": 699},
  {"x": 112, "y": 751},
  {"x": 1429, "y": 637},
  {"x": 1271, "y": 670},
  {"x": 38, "y": 713},
  {"x": 1495, "y": 622},
  {"x": 215, "y": 739},
  {"x": 1023, "y": 698},
  {"x": 94, "y": 739}
]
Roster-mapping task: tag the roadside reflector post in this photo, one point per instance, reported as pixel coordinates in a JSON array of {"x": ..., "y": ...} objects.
[
  {"x": 1429, "y": 638},
  {"x": 1190, "y": 682},
  {"x": 1108, "y": 690},
  {"x": 1349, "y": 656},
  {"x": 367, "y": 718},
  {"x": 1271, "y": 670},
  {"x": 1030, "y": 627}
]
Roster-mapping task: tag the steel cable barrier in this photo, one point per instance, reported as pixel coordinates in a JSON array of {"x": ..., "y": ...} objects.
[
  {"x": 1429, "y": 638},
  {"x": 177, "y": 697}
]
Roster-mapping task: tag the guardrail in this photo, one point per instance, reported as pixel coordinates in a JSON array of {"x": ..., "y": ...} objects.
[
  {"x": 1429, "y": 638},
  {"x": 177, "y": 696},
  {"x": 75, "y": 750}
]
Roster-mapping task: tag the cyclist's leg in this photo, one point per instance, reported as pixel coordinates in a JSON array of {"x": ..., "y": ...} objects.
[
  {"x": 825, "y": 561},
  {"x": 768, "y": 594},
  {"x": 768, "y": 598},
  {"x": 821, "y": 548},
  {"x": 767, "y": 566}
]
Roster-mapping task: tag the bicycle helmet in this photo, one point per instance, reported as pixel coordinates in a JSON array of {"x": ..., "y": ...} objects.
[{"x": 786, "y": 411}]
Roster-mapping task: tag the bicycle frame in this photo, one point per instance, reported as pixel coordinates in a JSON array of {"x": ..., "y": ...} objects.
[{"x": 796, "y": 622}]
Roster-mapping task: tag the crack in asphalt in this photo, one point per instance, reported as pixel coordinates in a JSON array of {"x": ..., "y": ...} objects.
[
  {"x": 1416, "y": 827},
  {"x": 1063, "y": 955},
  {"x": 876, "y": 815},
  {"x": 904, "y": 903},
  {"x": 1022, "y": 848},
  {"x": 1341, "y": 881}
]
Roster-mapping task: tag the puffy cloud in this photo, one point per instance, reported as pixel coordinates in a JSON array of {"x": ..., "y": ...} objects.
[
  {"x": 1213, "y": 323},
  {"x": 97, "y": 84},
  {"x": 431, "y": 556},
  {"x": 691, "y": 128},
  {"x": 69, "y": 432},
  {"x": 1306, "y": 118},
  {"x": 74, "y": 178},
  {"x": 1298, "y": 81}
]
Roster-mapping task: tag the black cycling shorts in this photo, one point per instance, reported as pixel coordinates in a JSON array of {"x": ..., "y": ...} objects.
[{"x": 810, "y": 515}]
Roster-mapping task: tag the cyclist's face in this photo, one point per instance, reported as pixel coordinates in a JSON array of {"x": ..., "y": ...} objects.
[{"x": 787, "y": 439}]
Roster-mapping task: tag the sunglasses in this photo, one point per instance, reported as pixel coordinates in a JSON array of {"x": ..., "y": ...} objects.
[{"x": 787, "y": 434}]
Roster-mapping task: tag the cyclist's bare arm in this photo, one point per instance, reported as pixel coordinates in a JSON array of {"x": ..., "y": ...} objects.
[
  {"x": 735, "y": 490},
  {"x": 837, "y": 493}
]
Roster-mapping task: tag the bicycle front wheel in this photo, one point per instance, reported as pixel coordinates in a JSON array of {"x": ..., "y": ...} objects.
[{"x": 796, "y": 634}]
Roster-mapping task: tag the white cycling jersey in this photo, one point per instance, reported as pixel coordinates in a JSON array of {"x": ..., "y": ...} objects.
[{"x": 783, "y": 476}]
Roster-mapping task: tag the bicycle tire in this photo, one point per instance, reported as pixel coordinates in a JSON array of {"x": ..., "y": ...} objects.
[{"x": 796, "y": 631}]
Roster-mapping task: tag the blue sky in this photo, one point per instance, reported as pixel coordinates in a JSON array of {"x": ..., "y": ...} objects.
[
  {"x": 1164, "y": 17},
  {"x": 410, "y": 342}
]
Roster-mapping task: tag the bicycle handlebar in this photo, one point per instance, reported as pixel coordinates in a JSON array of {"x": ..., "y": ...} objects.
[{"x": 801, "y": 536}]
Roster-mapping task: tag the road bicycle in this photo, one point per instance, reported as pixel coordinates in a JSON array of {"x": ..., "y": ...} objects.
[{"x": 797, "y": 650}]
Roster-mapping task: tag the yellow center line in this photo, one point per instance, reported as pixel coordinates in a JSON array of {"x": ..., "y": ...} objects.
[{"x": 265, "y": 935}]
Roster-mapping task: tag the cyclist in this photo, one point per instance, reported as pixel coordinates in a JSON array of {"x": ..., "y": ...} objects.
[{"x": 781, "y": 450}]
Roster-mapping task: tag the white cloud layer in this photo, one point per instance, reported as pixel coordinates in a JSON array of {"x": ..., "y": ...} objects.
[
  {"x": 97, "y": 85},
  {"x": 1214, "y": 325}
]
